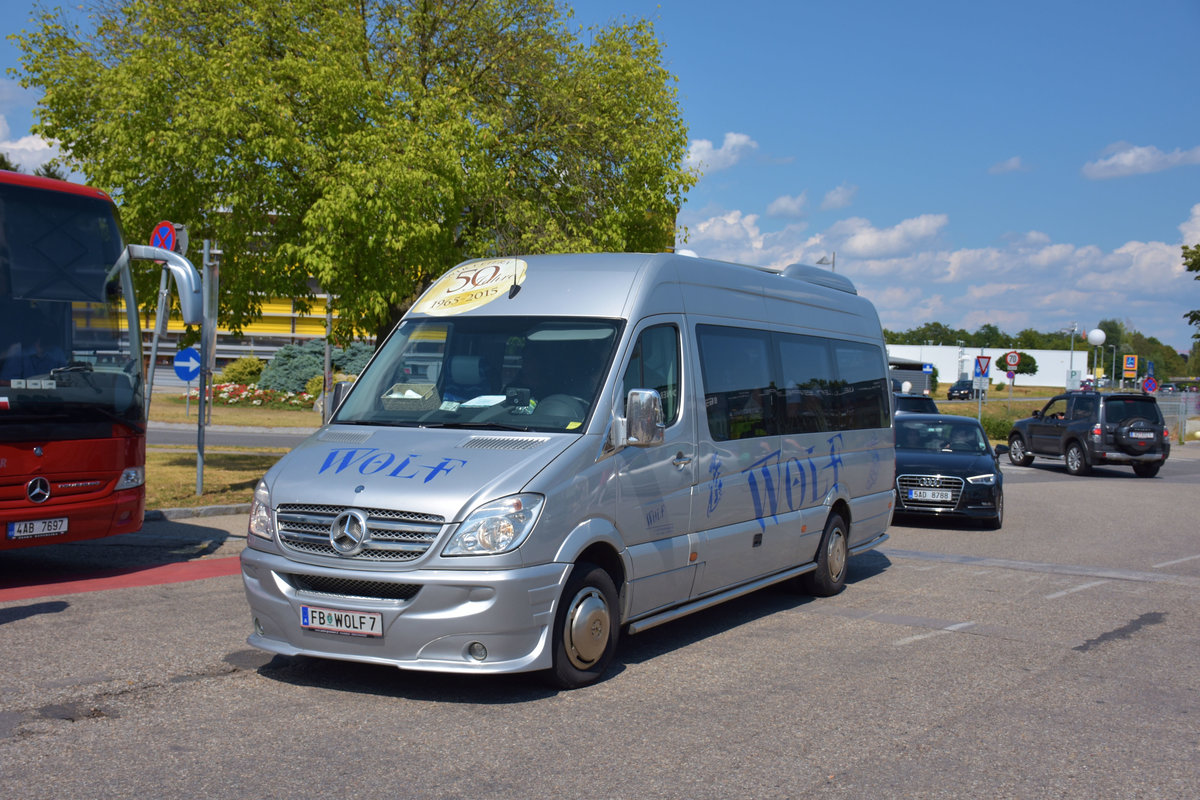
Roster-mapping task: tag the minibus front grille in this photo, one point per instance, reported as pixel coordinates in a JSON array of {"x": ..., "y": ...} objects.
[
  {"x": 345, "y": 587},
  {"x": 393, "y": 536}
]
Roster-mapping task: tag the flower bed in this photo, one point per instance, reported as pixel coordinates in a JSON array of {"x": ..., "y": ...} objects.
[{"x": 237, "y": 394}]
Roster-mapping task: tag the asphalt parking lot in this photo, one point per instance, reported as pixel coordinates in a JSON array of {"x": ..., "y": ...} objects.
[{"x": 1053, "y": 658}]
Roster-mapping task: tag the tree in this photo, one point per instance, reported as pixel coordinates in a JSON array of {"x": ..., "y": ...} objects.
[
  {"x": 1191, "y": 261},
  {"x": 50, "y": 170},
  {"x": 7, "y": 163},
  {"x": 370, "y": 144},
  {"x": 1026, "y": 366}
]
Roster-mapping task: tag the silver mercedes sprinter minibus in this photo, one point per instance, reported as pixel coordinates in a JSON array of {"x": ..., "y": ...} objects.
[{"x": 550, "y": 449}]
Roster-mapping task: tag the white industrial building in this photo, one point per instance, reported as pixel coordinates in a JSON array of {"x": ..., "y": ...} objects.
[{"x": 1054, "y": 367}]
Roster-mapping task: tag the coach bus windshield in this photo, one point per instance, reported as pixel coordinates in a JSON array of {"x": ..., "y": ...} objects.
[{"x": 69, "y": 367}]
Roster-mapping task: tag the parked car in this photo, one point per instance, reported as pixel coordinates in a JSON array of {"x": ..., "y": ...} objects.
[
  {"x": 1086, "y": 429},
  {"x": 914, "y": 404},
  {"x": 945, "y": 467},
  {"x": 962, "y": 390}
]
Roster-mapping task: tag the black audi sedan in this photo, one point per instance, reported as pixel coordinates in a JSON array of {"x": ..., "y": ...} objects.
[{"x": 945, "y": 467}]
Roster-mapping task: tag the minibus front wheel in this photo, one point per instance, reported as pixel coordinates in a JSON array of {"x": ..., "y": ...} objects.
[{"x": 586, "y": 627}]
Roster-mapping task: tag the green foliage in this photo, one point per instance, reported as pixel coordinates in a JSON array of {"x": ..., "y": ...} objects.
[
  {"x": 294, "y": 366},
  {"x": 996, "y": 427},
  {"x": 245, "y": 370},
  {"x": 1191, "y": 262},
  {"x": 7, "y": 163},
  {"x": 369, "y": 144}
]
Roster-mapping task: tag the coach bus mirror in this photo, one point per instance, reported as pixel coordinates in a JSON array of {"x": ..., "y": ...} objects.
[
  {"x": 643, "y": 418},
  {"x": 187, "y": 279}
]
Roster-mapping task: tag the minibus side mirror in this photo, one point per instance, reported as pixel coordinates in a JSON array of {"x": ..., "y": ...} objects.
[
  {"x": 643, "y": 418},
  {"x": 340, "y": 390}
]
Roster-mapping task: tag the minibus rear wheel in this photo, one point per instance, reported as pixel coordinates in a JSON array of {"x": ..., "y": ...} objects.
[
  {"x": 829, "y": 577},
  {"x": 586, "y": 627}
]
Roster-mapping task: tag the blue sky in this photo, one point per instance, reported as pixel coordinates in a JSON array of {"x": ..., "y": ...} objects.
[{"x": 1023, "y": 164}]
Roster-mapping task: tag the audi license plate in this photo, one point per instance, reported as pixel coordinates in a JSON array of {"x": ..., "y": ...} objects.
[
  {"x": 933, "y": 495},
  {"x": 332, "y": 620},
  {"x": 1141, "y": 435},
  {"x": 32, "y": 528}
]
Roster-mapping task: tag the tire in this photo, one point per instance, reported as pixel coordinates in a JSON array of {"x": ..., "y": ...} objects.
[
  {"x": 996, "y": 522},
  {"x": 1146, "y": 469},
  {"x": 586, "y": 627},
  {"x": 1017, "y": 453},
  {"x": 1077, "y": 463},
  {"x": 833, "y": 556}
]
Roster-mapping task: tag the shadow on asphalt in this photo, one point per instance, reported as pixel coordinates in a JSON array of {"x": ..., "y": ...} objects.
[
  {"x": 384, "y": 681},
  {"x": 166, "y": 542}
]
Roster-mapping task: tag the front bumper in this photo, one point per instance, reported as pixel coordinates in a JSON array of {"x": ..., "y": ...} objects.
[{"x": 508, "y": 611}]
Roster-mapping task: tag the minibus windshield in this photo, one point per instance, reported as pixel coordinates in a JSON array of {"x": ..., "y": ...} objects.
[{"x": 509, "y": 373}]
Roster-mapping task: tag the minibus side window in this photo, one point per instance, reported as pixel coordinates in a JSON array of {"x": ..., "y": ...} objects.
[
  {"x": 739, "y": 394},
  {"x": 807, "y": 371},
  {"x": 655, "y": 365},
  {"x": 862, "y": 386}
]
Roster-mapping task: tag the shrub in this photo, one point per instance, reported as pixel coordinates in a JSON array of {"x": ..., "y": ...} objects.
[
  {"x": 246, "y": 369},
  {"x": 237, "y": 394},
  {"x": 315, "y": 385},
  {"x": 295, "y": 365},
  {"x": 292, "y": 366}
]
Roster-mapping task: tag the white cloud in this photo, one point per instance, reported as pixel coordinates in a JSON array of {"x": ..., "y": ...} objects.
[
  {"x": 1029, "y": 281},
  {"x": 1190, "y": 229},
  {"x": 1125, "y": 159},
  {"x": 28, "y": 152},
  {"x": 702, "y": 155},
  {"x": 841, "y": 197},
  {"x": 1013, "y": 164},
  {"x": 788, "y": 206},
  {"x": 861, "y": 239}
]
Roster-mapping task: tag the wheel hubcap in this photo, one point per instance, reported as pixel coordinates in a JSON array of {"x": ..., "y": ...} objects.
[
  {"x": 835, "y": 554},
  {"x": 587, "y": 627}
]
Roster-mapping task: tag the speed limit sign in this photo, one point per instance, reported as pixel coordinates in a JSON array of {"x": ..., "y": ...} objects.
[{"x": 1012, "y": 359}]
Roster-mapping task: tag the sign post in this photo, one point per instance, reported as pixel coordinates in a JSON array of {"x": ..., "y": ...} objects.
[
  {"x": 187, "y": 368},
  {"x": 982, "y": 365}
]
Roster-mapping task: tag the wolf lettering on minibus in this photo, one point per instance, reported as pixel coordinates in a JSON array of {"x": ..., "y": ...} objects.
[
  {"x": 801, "y": 473},
  {"x": 835, "y": 457},
  {"x": 372, "y": 461},
  {"x": 714, "y": 486}
]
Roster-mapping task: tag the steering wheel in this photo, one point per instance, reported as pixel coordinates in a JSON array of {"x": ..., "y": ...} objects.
[{"x": 563, "y": 405}]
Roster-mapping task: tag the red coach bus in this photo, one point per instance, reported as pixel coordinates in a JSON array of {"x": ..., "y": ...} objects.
[{"x": 72, "y": 388}]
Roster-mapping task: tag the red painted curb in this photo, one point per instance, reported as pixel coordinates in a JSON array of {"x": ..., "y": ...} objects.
[{"x": 151, "y": 576}]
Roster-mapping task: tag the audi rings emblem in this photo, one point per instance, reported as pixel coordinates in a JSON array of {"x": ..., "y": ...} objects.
[
  {"x": 930, "y": 482},
  {"x": 349, "y": 532},
  {"x": 38, "y": 490}
]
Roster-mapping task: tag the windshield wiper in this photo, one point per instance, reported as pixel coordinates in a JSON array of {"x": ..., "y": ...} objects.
[{"x": 486, "y": 426}]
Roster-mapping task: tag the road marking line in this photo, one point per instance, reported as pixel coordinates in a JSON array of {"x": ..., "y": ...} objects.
[
  {"x": 1074, "y": 589},
  {"x": 958, "y": 626},
  {"x": 1176, "y": 561}
]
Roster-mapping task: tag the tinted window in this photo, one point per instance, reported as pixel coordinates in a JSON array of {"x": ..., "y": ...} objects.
[
  {"x": 758, "y": 383},
  {"x": 1120, "y": 410},
  {"x": 806, "y": 365},
  {"x": 738, "y": 390},
  {"x": 655, "y": 365}
]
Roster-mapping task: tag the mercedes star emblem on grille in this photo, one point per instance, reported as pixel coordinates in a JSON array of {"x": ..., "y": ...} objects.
[
  {"x": 38, "y": 490},
  {"x": 349, "y": 532}
]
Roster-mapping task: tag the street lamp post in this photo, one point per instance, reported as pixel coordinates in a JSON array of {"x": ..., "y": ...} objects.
[{"x": 1113, "y": 376}]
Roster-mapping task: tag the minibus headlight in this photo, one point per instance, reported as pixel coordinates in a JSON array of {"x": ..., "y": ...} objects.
[
  {"x": 262, "y": 521},
  {"x": 496, "y": 527}
]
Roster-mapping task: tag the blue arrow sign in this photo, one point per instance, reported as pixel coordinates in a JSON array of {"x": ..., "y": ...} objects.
[{"x": 187, "y": 364}]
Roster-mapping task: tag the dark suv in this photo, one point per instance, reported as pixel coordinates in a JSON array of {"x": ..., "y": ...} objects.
[
  {"x": 1087, "y": 429},
  {"x": 962, "y": 390}
]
